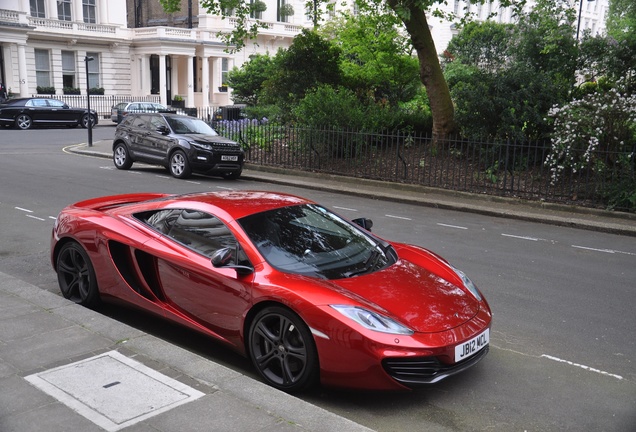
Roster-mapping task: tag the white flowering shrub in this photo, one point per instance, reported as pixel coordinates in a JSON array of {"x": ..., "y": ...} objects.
[{"x": 594, "y": 133}]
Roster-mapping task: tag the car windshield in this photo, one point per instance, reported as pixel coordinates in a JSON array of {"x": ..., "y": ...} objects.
[
  {"x": 312, "y": 241},
  {"x": 187, "y": 125}
]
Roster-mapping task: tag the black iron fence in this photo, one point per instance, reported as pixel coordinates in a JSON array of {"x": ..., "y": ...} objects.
[{"x": 503, "y": 169}]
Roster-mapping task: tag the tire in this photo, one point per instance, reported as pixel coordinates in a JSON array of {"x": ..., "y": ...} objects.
[
  {"x": 84, "y": 121},
  {"x": 121, "y": 157},
  {"x": 23, "y": 121},
  {"x": 76, "y": 276},
  {"x": 179, "y": 166},
  {"x": 232, "y": 175},
  {"x": 287, "y": 361}
]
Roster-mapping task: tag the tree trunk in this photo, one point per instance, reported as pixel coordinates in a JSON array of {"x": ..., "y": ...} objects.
[{"x": 430, "y": 69}]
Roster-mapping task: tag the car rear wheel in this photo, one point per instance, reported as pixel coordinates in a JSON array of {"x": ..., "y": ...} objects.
[
  {"x": 23, "y": 121},
  {"x": 85, "y": 119},
  {"x": 76, "y": 276},
  {"x": 121, "y": 158},
  {"x": 232, "y": 175},
  {"x": 179, "y": 166},
  {"x": 282, "y": 349}
]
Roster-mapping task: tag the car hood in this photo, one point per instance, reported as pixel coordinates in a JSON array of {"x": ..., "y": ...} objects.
[
  {"x": 415, "y": 296},
  {"x": 210, "y": 139}
]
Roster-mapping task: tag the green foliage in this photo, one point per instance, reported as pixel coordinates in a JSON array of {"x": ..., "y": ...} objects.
[
  {"x": 309, "y": 62},
  {"x": 375, "y": 64},
  {"x": 45, "y": 90},
  {"x": 247, "y": 82},
  {"x": 71, "y": 90},
  {"x": 504, "y": 78}
]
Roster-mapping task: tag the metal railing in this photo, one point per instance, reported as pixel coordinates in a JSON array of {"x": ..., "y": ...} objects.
[{"x": 507, "y": 169}]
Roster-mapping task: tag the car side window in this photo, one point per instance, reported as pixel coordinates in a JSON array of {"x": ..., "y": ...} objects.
[
  {"x": 134, "y": 107},
  {"x": 156, "y": 122},
  {"x": 140, "y": 122},
  {"x": 202, "y": 232},
  {"x": 54, "y": 103},
  {"x": 37, "y": 103}
]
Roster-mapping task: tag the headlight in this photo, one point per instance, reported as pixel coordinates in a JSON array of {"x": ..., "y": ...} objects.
[
  {"x": 201, "y": 146},
  {"x": 372, "y": 320},
  {"x": 468, "y": 283}
]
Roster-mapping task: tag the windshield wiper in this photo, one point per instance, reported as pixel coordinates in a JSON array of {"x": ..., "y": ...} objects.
[{"x": 369, "y": 264}]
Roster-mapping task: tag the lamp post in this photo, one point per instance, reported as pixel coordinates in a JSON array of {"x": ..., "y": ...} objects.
[
  {"x": 578, "y": 25},
  {"x": 88, "y": 103}
]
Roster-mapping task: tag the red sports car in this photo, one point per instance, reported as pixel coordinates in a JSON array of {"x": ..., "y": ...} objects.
[{"x": 308, "y": 295}]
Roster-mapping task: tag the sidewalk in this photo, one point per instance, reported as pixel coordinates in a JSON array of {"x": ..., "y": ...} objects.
[
  {"x": 64, "y": 367},
  {"x": 541, "y": 212}
]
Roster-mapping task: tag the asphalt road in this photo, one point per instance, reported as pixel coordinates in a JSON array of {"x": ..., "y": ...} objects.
[{"x": 563, "y": 346}]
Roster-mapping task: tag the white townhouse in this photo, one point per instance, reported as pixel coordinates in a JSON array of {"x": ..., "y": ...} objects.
[
  {"x": 139, "y": 51},
  {"x": 136, "y": 50}
]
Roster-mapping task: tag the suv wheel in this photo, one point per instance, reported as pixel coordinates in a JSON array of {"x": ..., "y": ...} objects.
[
  {"x": 179, "y": 166},
  {"x": 121, "y": 158}
]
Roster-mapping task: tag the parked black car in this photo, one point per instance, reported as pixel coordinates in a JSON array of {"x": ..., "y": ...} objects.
[
  {"x": 180, "y": 143},
  {"x": 24, "y": 113},
  {"x": 122, "y": 109}
]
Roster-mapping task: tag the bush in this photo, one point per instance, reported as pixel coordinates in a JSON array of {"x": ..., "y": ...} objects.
[
  {"x": 71, "y": 90},
  {"x": 45, "y": 90}
]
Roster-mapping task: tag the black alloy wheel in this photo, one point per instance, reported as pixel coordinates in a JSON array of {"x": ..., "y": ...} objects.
[
  {"x": 121, "y": 157},
  {"x": 76, "y": 276},
  {"x": 179, "y": 166},
  {"x": 85, "y": 119},
  {"x": 283, "y": 350}
]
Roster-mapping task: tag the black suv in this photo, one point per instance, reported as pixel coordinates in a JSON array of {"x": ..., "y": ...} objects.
[{"x": 180, "y": 143}]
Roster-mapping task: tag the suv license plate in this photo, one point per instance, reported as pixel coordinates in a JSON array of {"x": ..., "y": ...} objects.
[
  {"x": 229, "y": 158},
  {"x": 472, "y": 347}
]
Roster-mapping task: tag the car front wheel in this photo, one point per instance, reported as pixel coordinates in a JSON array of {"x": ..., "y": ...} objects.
[
  {"x": 121, "y": 158},
  {"x": 76, "y": 276},
  {"x": 179, "y": 166},
  {"x": 23, "y": 121},
  {"x": 283, "y": 350}
]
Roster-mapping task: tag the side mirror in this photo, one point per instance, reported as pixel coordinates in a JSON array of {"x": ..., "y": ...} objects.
[
  {"x": 163, "y": 130},
  {"x": 365, "y": 223},
  {"x": 226, "y": 258}
]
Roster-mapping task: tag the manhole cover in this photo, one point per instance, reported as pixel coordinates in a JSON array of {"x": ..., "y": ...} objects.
[{"x": 112, "y": 390}]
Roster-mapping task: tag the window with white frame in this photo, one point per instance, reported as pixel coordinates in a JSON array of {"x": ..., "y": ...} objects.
[
  {"x": 69, "y": 79},
  {"x": 37, "y": 8},
  {"x": 93, "y": 70},
  {"x": 42, "y": 68},
  {"x": 224, "y": 70},
  {"x": 88, "y": 6},
  {"x": 64, "y": 10},
  {"x": 281, "y": 15}
]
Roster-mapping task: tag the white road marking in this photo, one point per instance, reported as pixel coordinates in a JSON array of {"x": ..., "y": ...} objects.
[
  {"x": 398, "y": 217},
  {"x": 193, "y": 182},
  {"x": 109, "y": 168},
  {"x": 345, "y": 208},
  {"x": 520, "y": 237},
  {"x": 24, "y": 210},
  {"x": 35, "y": 217},
  {"x": 582, "y": 366},
  {"x": 452, "y": 226},
  {"x": 164, "y": 177},
  {"x": 52, "y": 217},
  {"x": 611, "y": 251},
  {"x": 224, "y": 188}
]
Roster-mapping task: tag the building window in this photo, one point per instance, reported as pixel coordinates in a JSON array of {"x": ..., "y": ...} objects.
[
  {"x": 224, "y": 71},
  {"x": 64, "y": 10},
  {"x": 255, "y": 11},
  {"x": 281, "y": 15},
  {"x": 88, "y": 7},
  {"x": 37, "y": 9},
  {"x": 42, "y": 68},
  {"x": 68, "y": 69},
  {"x": 93, "y": 70}
]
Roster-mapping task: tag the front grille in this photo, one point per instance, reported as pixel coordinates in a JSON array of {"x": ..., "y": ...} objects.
[{"x": 417, "y": 371}]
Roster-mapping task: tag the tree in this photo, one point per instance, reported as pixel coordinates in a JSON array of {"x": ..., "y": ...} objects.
[
  {"x": 412, "y": 13},
  {"x": 248, "y": 81}
]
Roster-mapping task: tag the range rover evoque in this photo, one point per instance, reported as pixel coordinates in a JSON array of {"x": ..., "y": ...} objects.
[{"x": 180, "y": 143}]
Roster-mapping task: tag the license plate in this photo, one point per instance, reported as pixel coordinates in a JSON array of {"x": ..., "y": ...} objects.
[
  {"x": 472, "y": 347},
  {"x": 229, "y": 158}
]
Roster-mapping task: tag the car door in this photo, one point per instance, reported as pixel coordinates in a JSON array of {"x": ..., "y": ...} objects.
[
  {"x": 59, "y": 112},
  {"x": 38, "y": 110},
  {"x": 213, "y": 297},
  {"x": 157, "y": 142},
  {"x": 138, "y": 129}
]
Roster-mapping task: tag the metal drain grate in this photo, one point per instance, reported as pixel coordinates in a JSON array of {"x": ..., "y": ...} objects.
[{"x": 112, "y": 390}]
